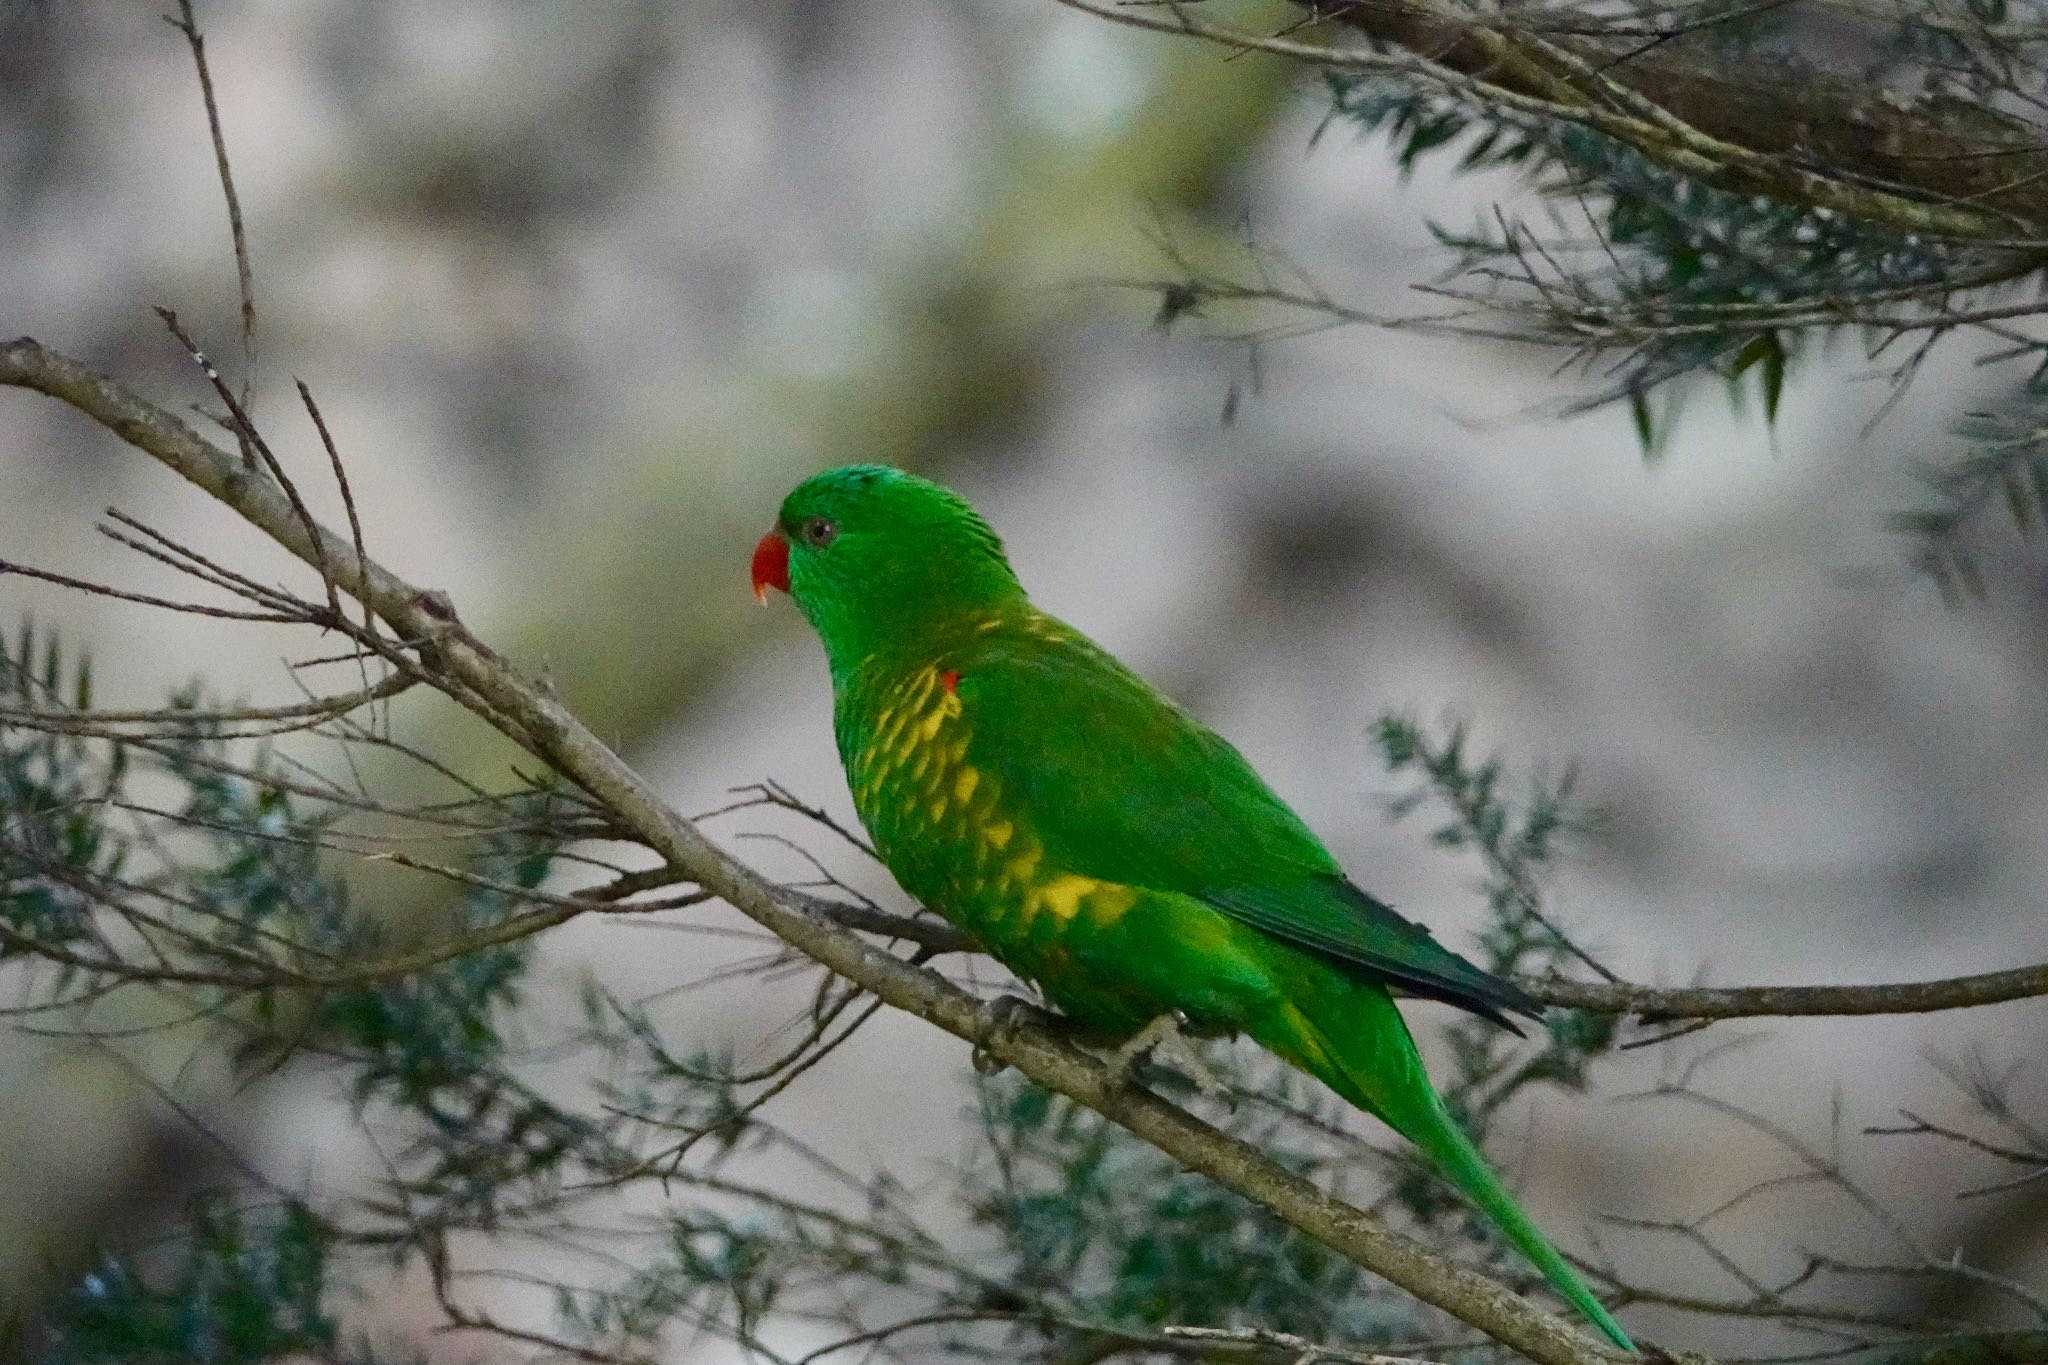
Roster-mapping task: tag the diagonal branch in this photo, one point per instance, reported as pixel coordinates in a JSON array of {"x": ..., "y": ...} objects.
[{"x": 530, "y": 714}]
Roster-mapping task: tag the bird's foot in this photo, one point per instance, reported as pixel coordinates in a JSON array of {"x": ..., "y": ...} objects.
[
  {"x": 992, "y": 1021},
  {"x": 1164, "y": 1040}
]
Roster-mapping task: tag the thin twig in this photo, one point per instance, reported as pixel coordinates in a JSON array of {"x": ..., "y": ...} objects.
[
  {"x": 145, "y": 599},
  {"x": 245, "y": 280}
]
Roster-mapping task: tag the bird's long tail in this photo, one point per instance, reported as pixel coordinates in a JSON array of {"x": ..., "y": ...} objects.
[{"x": 1371, "y": 1061}]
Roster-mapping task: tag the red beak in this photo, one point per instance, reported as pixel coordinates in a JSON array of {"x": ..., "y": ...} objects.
[{"x": 771, "y": 566}]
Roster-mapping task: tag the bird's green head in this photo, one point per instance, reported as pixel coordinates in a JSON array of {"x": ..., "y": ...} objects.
[{"x": 880, "y": 561}]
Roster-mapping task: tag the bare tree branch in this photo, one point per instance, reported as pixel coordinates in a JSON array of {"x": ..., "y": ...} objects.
[
  {"x": 245, "y": 280},
  {"x": 1740, "y": 1002}
]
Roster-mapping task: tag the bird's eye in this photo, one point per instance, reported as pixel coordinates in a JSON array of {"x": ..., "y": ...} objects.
[{"x": 819, "y": 531}]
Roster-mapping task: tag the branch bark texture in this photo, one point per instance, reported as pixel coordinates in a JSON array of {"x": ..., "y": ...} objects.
[{"x": 1748, "y": 1002}]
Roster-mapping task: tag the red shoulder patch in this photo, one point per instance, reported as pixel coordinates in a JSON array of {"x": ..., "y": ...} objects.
[{"x": 950, "y": 680}]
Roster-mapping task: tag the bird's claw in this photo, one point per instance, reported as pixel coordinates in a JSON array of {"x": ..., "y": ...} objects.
[
  {"x": 1163, "y": 1040},
  {"x": 992, "y": 1021}
]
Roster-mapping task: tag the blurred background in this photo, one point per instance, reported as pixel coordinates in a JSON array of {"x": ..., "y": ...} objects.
[{"x": 582, "y": 290}]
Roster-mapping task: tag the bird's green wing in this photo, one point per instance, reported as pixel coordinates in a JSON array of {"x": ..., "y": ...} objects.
[{"x": 1120, "y": 784}]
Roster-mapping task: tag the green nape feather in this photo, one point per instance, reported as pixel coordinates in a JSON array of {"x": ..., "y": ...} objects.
[{"x": 1097, "y": 839}]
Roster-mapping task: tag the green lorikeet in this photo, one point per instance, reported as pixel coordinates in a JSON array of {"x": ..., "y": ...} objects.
[{"x": 1094, "y": 837}]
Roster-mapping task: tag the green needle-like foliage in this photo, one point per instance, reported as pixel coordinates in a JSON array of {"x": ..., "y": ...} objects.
[{"x": 238, "y": 1287}]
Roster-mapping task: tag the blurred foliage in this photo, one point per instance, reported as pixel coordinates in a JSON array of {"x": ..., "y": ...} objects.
[
  {"x": 626, "y": 1188},
  {"x": 235, "y": 1287},
  {"x": 1080, "y": 1210},
  {"x": 1065, "y": 1233},
  {"x": 51, "y": 786},
  {"x": 2004, "y": 469},
  {"x": 1665, "y": 277},
  {"x": 1648, "y": 279},
  {"x": 189, "y": 853}
]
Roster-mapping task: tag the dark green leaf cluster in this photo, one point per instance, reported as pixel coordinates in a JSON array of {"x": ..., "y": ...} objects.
[
  {"x": 1646, "y": 275},
  {"x": 55, "y": 839},
  {"x": 267, "y": 874},
  {"x": 240, "y": 1286},
  {"x": 1086, "y": 1216},
  {"x": 697, "y": 1092},
  {"x": 430, "y": 1030},
  {"x": 1664, "y": 275},
  {"x": 438, "y": 1046},
  {"x": 712, "y": 1266},
  {"x": 162, "y": 853},
  {"x": 182, "y": 862},
  {"x": 188, "y": 851}
]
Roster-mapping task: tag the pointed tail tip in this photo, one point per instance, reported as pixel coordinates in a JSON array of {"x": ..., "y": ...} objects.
[
  {"x": 1611, "y": 1329},
  {"x": 1580, "y": 1297},
  {"x": 1411, "y": 1106}
]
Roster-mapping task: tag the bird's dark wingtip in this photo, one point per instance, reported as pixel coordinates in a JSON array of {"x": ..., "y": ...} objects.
[
  {"x": 1514, "y": 998},
  {"x": 1493, "y": 998},
  {"x": 1505, "y": 1021}
]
